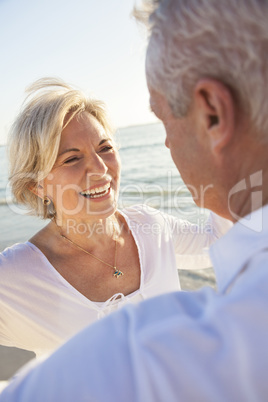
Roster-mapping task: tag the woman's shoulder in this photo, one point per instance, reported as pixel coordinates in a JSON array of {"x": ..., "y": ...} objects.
[
  {"x": 16, "y": 248},
  {"x": 19, "y": 253}
]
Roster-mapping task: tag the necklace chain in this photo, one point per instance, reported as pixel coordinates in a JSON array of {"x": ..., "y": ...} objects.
[{"x": 117, "y": 272}]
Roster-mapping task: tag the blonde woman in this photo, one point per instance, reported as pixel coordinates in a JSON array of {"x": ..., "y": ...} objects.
[{"x": 91, "y": 258}]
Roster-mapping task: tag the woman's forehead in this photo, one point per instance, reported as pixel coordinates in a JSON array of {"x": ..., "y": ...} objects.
[
  {"x": 84, "y": 123},
  {"x": 83, "y": 128}
]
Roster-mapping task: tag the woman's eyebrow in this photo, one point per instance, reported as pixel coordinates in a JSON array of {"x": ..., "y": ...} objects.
[
  {"x": 69, "y": 150},
  {"x": 104, "y": 140},
  {"x": 78, "y": 150}
]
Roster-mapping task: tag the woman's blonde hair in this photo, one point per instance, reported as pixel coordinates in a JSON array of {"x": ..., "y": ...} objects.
[{"x": 35, "y": 136}]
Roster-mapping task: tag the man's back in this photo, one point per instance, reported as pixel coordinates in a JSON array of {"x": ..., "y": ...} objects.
[
  {"x": 206, "y": 69},
  {"x": 187, "y": 346}
]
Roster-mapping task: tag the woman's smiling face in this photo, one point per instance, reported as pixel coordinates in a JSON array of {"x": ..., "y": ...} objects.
[{"x": 85, "y": 178}]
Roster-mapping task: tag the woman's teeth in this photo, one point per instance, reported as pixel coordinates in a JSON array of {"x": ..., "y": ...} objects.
[{"x": 96, "y": 192}]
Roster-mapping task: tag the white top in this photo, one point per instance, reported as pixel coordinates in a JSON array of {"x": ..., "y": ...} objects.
[
  {"x": 183, "y": 346},
  {"x": 39, "y": 309}
]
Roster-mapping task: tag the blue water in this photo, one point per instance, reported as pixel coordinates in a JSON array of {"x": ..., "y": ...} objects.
[
  {"x": 3, "y": 174},
  {"x": 148, "y": 176},
  {"x": 148, "y": 173}
]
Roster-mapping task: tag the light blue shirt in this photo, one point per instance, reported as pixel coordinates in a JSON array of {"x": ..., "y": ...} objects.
[{"x": 183, "y": 346}]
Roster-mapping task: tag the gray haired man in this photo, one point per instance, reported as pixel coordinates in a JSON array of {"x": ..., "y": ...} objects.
[{"x": 207, "y": 73}]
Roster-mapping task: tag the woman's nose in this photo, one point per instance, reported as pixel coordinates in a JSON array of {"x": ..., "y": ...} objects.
[{"x": 96, "y": 166}]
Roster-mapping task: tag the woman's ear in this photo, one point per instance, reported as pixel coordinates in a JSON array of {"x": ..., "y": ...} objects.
[
  {"x": 215, "y": 108},
  {"x": 37, "y": 189}
]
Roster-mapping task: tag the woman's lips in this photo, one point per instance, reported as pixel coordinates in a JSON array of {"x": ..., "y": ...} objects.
[{"x": 96, "y": 192}]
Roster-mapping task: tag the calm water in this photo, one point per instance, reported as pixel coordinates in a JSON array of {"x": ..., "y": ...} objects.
[
  {"x": 148, "y": 173},
  {"x": 148, "y": 177}
]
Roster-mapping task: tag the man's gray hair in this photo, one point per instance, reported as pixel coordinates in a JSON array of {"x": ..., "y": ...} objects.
[{"x": 222, "y": 39}]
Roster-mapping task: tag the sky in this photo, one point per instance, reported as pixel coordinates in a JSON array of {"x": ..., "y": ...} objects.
[{"x": 94, "y": 45}]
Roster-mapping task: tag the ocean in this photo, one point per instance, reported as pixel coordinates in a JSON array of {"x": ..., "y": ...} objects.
[{"x": 148, "y": 177}]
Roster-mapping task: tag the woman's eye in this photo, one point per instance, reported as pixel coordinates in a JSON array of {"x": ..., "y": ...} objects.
[
  {"x": 73, "y": 159},
  {"x": 106, "y": 148}
]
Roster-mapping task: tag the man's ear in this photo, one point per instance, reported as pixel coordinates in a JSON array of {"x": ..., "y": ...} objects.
[{"x": 215, "y": 105}]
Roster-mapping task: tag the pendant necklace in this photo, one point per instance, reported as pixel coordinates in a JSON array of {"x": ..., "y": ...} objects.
[{"x": 117, "y": 272}]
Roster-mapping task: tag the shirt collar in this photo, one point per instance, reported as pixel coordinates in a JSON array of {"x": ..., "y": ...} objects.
[{"x": 230, "y": 254}]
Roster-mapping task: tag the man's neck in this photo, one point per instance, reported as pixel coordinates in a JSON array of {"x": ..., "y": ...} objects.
[{"x": 248, "y": 195}]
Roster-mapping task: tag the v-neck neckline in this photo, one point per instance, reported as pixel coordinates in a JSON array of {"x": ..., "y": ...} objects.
[{"x": 99, "y": 305}]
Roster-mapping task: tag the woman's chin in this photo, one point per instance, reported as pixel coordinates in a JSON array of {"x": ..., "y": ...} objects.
[{"x": 101, "y": 209}]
